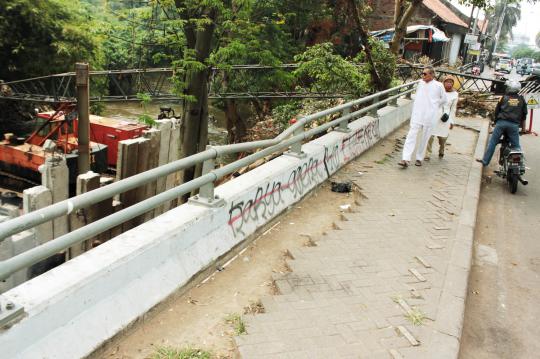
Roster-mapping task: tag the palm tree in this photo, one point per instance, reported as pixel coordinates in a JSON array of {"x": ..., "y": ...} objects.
[{"x": 512, "y": 15}]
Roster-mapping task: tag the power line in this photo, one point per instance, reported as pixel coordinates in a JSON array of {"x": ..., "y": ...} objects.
[{"x": 147, "y": 44}]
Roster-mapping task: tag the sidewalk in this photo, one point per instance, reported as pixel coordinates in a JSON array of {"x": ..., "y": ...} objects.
[{"x": 390, "y": 281}]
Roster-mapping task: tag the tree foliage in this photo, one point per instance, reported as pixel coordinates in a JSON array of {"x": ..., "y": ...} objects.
[
  {"x": 42, "y": 37},
  {"x": 325, "y": 71},
  {"x": 328, "y": 38},
  {"x": 522, "y": 51}
]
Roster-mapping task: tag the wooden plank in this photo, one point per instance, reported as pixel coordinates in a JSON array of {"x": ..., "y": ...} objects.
[
  {"x": 127, "y": 167},
  {"x": 164, "y": 126},
  {"x": 174, "y": 179},
  {"x": 154, "y": 136}
]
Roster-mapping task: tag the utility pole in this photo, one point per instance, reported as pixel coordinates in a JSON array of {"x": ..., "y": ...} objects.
[
  {"x": 83, "y": 104},
  {"x": 463, "y": 47}
]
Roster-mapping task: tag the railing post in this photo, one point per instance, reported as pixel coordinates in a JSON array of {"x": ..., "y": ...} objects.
[
  {"x": 394, "y": 101},
  {"x": 9, "y": 311},
  {"x": 373, "y": 112},
  {"x": 296, "y": 148},
  {"x": 343, "y": 125},
  {"x": 409, "y": 93},
  {"x": 206, "y": 194}
]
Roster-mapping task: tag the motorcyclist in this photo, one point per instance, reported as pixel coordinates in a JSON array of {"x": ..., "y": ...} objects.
[{"x": 510, "y": 115}]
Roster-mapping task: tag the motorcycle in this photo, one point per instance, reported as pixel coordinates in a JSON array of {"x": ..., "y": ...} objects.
[
  {"x": 476, "y": 70},
  {"x": 511, "y": 165}
]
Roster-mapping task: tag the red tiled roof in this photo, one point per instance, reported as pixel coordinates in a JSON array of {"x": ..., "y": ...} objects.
[{"x": 442, "y": 11}]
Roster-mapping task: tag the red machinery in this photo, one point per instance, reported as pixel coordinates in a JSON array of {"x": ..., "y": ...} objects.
[
  {"x": 22, "y": 157},
  {"x": 108, "y": 131}
]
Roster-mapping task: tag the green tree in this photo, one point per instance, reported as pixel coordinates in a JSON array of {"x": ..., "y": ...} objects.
[
  {"x": 254, "y": 39},
  {"x": 522, "y": 51},
  {"x": 326, "y": 71},
  {"x": 43, "y": 37}
]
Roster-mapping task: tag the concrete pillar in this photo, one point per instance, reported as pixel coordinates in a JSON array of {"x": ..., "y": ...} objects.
[
  {"x": 16, "y": 244},
  {"x": 36, "y": 198},
  {"x": 55, "y": 176},
  {"x": 164, "y": 127},
  {"x": 9, "y": 210},
  {"x": 33, "y": 199},
  {"x": 85, "y": 183},
  {"x": 22, "y": 242}
]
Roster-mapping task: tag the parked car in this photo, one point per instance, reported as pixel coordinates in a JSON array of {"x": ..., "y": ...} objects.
[
  {"x": 536, "y": 69},
  {"x": 503, "y": 66}
]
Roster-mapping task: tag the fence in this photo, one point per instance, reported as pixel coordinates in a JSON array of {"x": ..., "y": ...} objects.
[
  {"x": 464, "y": 81},
  {"x": 291, "y": 138}
]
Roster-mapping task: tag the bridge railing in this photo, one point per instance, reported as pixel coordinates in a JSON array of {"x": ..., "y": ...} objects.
[
  {"x": 125, "y": 85},
  {"x": 292, "y": 139},
  {"x": 465, "y": 82}
]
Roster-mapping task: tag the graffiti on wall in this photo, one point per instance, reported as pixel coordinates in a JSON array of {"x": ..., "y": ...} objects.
[
  {"x": 360, "y": 140},
  {"x": 268, "y": 199}
]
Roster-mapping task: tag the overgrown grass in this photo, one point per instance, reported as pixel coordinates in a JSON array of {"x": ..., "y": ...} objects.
[
  {"x": 186, "y": 353},
  {"x": 236, "y": 321},
  {"x": 384, "y": 160},
  {"x": 415, "y": 316}
]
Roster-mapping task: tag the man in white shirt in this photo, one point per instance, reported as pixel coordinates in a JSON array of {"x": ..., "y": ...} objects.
[{"x": 426, "y": 111}]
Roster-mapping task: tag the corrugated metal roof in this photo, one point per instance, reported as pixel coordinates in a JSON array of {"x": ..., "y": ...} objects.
[{"x": 443, "y": 12}]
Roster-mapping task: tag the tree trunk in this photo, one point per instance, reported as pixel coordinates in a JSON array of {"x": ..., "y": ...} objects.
[
  {"x": 236, "y": 126},
  {"x": 401, "y": 24},
  {"x": 194, "y": 130},
  {"x": 367, "y": 48}
]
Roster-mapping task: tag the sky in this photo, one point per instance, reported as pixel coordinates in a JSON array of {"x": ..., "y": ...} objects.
[{"x": 529, "y": 24}]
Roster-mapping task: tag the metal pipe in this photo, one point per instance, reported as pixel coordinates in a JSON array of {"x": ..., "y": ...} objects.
[
  {"x": 32, "y": 219},
  {"x": 83, "y": 124},
  {"x": 247, "y": 146},
  {"x": 69, "y": 205},
  {"x": 36, "y": 254}
]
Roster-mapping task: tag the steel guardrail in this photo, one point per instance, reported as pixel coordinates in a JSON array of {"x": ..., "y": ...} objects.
[{"x": 293, "y": 135}]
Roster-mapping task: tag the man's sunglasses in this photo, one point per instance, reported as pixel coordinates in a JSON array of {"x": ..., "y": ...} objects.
[{"x": 425, "y": 73}]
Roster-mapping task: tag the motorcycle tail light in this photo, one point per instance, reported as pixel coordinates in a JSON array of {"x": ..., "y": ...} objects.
[{"x": 516, "y": 159}]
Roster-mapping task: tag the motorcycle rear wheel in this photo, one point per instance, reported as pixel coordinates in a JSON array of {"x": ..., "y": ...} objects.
[{"x": 512, "y": 182}]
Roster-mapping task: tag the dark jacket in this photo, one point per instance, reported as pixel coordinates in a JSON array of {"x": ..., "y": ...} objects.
[{"x": 511, "y": 108}]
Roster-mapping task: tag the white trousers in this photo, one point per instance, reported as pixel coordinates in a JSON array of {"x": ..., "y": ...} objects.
[{"x": 410, "y": 141}]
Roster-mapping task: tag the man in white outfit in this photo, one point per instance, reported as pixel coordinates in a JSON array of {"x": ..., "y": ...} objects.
[{"x": 426, "y": 111}]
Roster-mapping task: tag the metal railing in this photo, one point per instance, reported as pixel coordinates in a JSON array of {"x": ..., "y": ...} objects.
[
  {"x": 466, "y": 82},
  {"x": 291, "y": 138}
]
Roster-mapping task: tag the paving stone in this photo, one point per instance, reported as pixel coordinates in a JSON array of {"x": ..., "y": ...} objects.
[{"x": 339, "y": 300}]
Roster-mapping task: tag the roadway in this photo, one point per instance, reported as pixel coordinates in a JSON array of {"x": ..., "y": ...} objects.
[{"x": 502, "y": 312}]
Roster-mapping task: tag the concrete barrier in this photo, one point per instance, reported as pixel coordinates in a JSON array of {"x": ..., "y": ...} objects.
[{"x": 75, "y": 307}]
